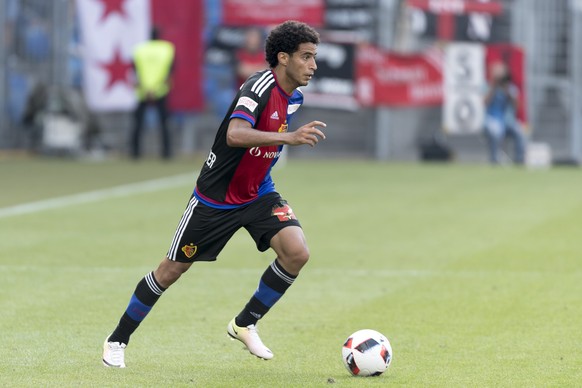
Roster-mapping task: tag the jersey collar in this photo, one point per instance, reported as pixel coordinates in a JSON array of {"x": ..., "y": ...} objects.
[{"x": 283, "y": 92}]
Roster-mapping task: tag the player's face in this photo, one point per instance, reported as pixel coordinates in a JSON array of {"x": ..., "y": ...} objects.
[{"x": 301, "y": 65}]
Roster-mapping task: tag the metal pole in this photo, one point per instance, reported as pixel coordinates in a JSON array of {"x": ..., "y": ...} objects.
[
  {"x": 576, "y": 69},
  {"x": 58, "y": 16},
  {"x": 387, "y": 11},
  {"x": 3, "y": 74}
]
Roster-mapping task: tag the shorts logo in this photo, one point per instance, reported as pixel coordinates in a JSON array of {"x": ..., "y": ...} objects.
[
  {"x": 283, "y": 212},
  {"x": 275, "y": 115},
  {"x": 248, "y": 103},
  {"x": 189, "y": 250}
]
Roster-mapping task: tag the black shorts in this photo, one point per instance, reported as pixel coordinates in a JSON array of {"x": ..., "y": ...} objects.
[{"x": 203, "y": 231}]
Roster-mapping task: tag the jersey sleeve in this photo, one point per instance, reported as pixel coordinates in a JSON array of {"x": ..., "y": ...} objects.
[
  {"x": 295, "y": 103},
  {"x": 251, "y": 101}
]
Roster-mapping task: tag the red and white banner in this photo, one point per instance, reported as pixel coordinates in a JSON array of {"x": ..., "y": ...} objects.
[
  {"x": 111, "y": 29},
  {"x": 388, "y": 79},
  {"x": 457, "y": 6},
  {"x": 270, "y": 12}
]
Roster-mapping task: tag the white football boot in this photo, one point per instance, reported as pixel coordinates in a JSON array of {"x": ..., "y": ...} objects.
[
  {"x": 113, "y": 354},
  {"x": 250, "y": 337}
]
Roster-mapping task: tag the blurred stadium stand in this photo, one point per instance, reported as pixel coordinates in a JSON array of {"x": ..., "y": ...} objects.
[{"x": 40, "y": 46}]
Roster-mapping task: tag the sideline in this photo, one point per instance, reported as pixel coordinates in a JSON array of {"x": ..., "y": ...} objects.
[{"x": 100, "y": 195}]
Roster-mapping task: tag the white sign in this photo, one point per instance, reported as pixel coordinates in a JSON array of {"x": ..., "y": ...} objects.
[{"x": 464, "y": 82}]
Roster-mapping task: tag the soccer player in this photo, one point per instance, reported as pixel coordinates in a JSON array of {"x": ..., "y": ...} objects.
[{"x": 234, "y": 190}]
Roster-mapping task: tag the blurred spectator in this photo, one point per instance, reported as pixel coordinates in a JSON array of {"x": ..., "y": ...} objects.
[
  {"x": 501, "y": 101},
  {"x": 44, "y": 102},
  {"x": 153, "y": 62},
  {"x": 250, "y": 58},
  {"x": 18, "y": 86},
  {"x": 31, "y": 34},
  {"x": 12, "y": 8}
]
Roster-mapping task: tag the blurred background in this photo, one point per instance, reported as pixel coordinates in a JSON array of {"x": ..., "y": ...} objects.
[{"x": 398, "y": 80}]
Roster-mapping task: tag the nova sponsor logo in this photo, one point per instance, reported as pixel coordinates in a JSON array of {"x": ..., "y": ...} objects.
[
  {"x": 255, "y": 151},
  {"x": 258, "y": 153},
  {"x": 271, "y": 155}
]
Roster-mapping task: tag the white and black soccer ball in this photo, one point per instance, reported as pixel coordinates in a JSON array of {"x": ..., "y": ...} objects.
[{"x": 367, "y": 353}]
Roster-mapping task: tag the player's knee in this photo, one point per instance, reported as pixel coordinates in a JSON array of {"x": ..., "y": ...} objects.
[
  {"x": 302, "y": 256},
  {"x": 295, "y": 259},
  {"x": 170, "y": 271}
]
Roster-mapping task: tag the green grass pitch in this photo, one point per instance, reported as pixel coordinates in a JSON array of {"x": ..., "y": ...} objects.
[{"x": 472, "y": 272}]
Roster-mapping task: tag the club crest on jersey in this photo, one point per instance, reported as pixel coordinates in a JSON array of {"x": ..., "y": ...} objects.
[
  {"x": 283, "y": 127},
  {"x": 189, "y": 250},
  {"x": 283, "y": 212}
]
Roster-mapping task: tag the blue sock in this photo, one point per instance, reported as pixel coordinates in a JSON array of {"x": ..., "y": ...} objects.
[
  {"x": 146, "y": 294},
  {"x": 273, "y": 284}
]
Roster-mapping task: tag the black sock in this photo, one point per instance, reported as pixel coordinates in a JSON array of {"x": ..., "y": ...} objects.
[
  {"x": 146, "y": 294},
  {"x": 273, "y": 284}
]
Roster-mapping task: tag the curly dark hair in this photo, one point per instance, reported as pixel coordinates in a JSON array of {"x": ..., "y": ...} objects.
[{"x": 286, "y": 38}]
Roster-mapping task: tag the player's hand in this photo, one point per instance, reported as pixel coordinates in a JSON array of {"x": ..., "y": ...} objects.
[{"x": 308, "y": 134}]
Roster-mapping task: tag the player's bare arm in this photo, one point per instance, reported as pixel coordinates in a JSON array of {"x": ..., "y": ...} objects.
[{"x": 241, "y": 134}]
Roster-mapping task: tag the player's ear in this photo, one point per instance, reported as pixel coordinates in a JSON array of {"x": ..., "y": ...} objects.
[{"x": 283, "y": 58}]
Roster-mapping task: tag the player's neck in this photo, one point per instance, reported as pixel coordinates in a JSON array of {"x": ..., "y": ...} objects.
[{"x": 284, "y": 82}]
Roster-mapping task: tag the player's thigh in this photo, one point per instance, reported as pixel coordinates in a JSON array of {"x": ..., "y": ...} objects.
[
  {"x": 264, "y": 218},
  {"x": 202, "y": 232}
]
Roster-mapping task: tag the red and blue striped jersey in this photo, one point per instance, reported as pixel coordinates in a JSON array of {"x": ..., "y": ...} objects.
[{"x": 231, "y": 176}]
